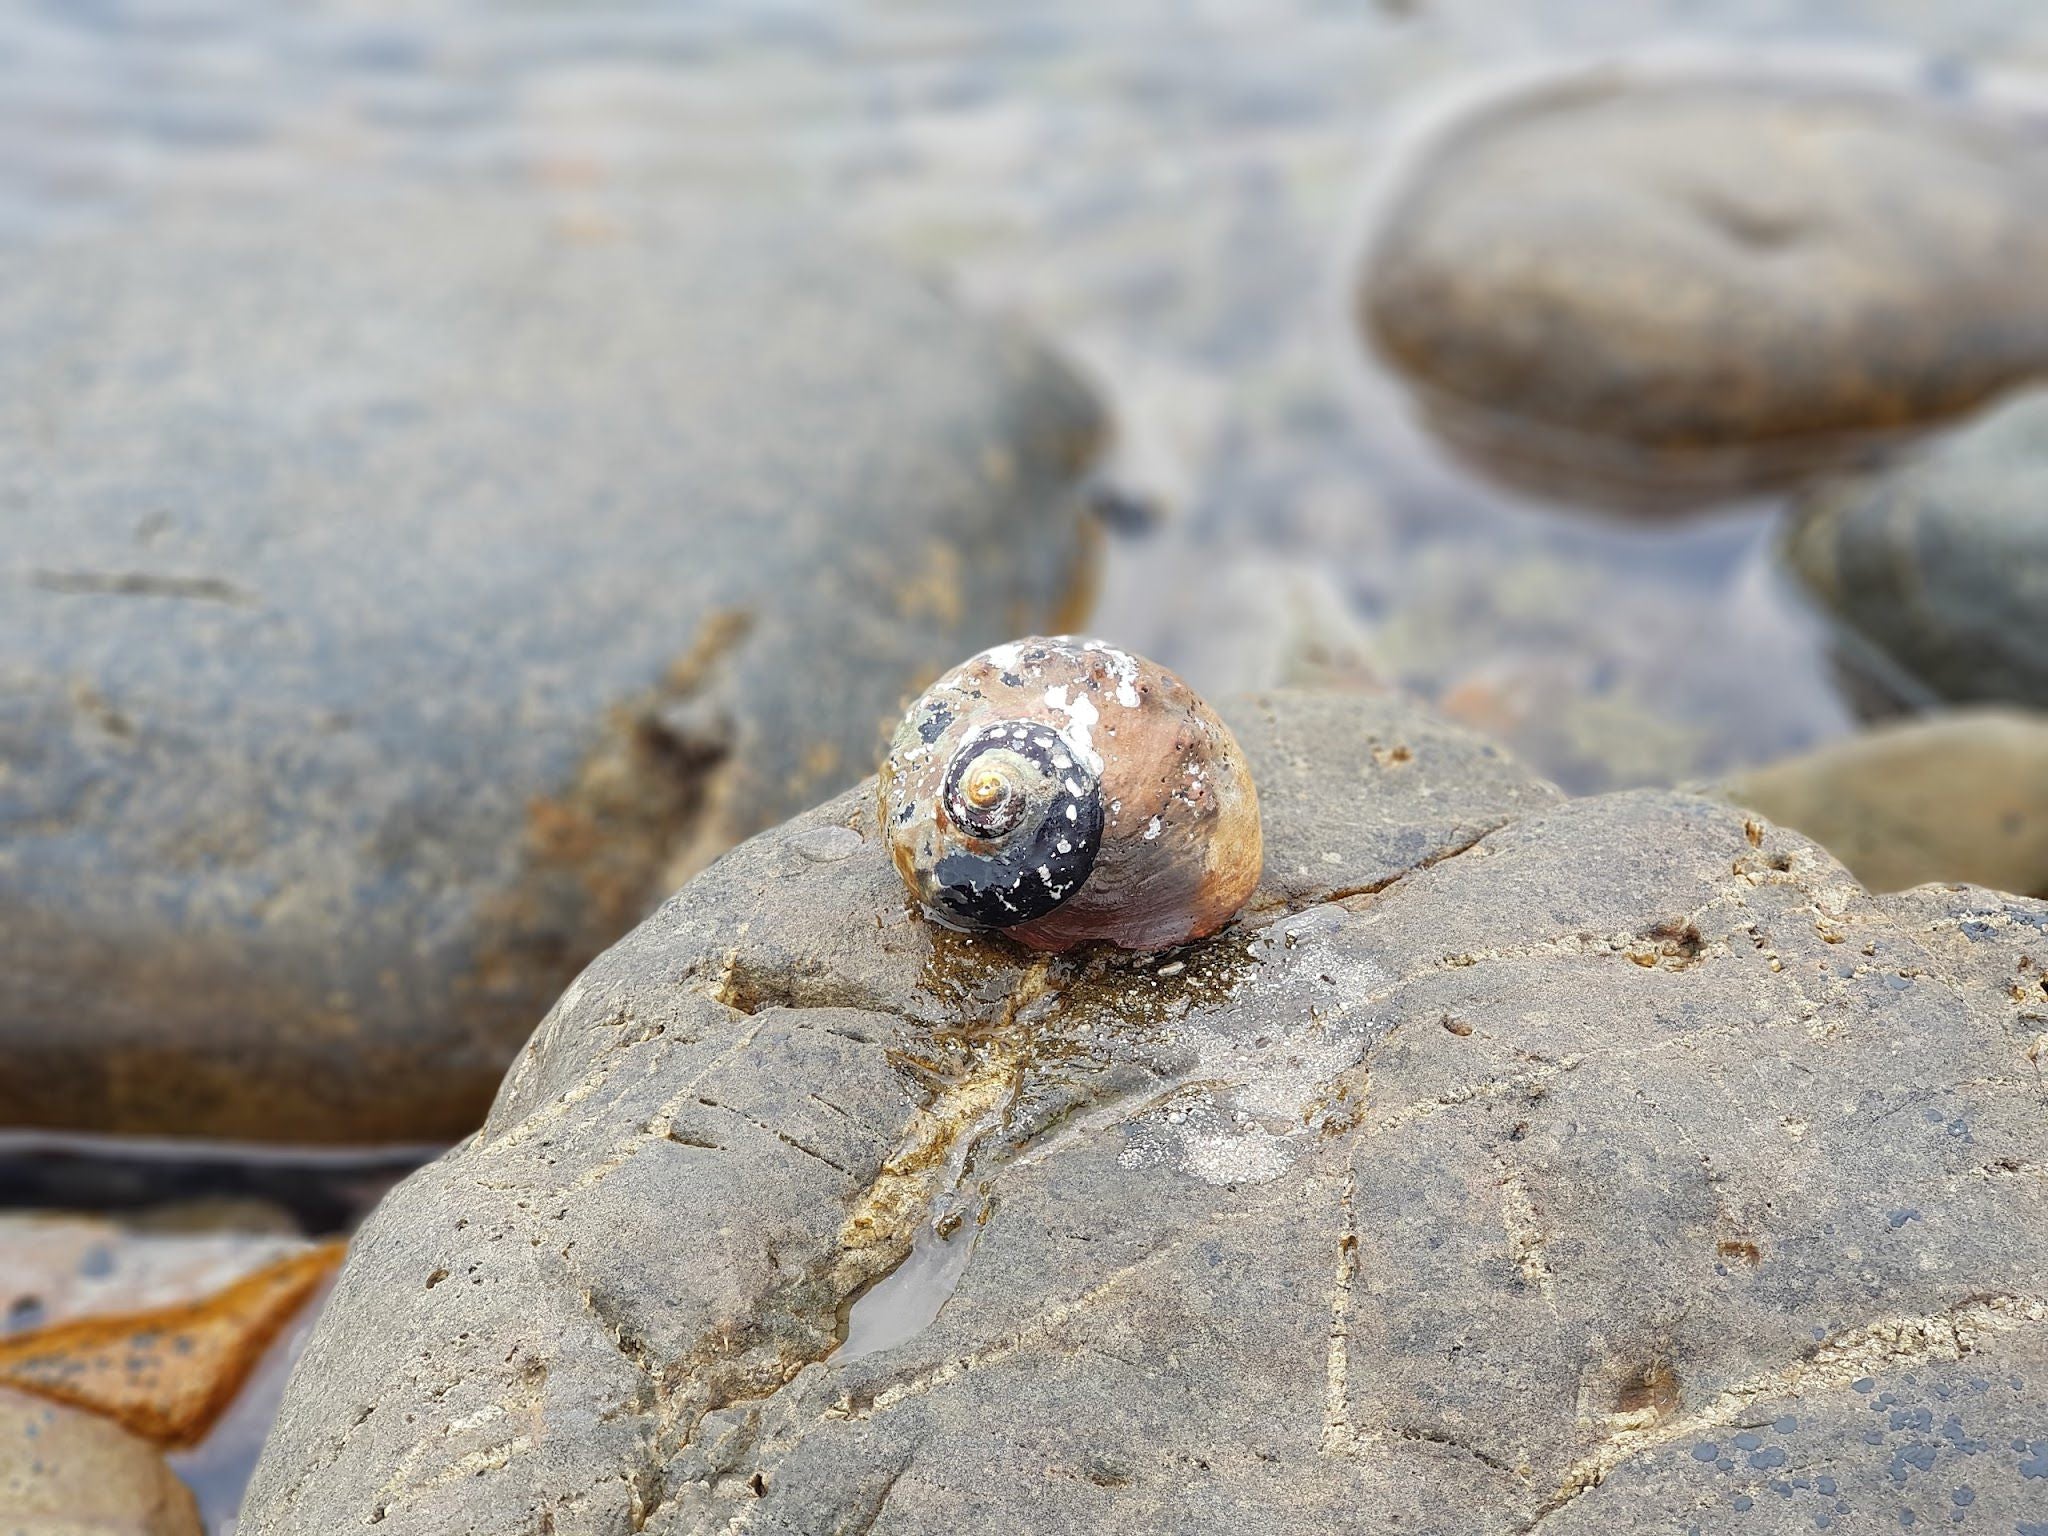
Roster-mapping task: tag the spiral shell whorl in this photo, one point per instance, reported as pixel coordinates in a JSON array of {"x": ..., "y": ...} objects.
[
  {"x": 1065, "y": 791},
  {"x": 1033, "y": 843}
]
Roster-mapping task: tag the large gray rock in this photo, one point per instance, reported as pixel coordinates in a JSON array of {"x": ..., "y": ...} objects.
[
  {"x": 393, "y": 605},
  {"x": 1935, "y": 573},
  {"x": 1631, "y": 283},
  {"x": 1624, "y": 1167}
]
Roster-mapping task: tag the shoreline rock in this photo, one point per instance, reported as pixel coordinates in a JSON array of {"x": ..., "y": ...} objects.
[
  {"x": 398, "y": 607},
  {"x": 1955, "y": 798},
  {"x": 1931, "y": 572},
  {"x": 1646, "y": 289},
  {"x": 1490, "y": 1193}
]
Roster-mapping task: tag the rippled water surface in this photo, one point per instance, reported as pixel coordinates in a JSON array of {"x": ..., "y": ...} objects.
[{"x": 1173, "y": 192}]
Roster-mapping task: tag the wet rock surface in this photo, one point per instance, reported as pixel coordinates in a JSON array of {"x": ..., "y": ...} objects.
[
  {"x": 1953, "y": 797},
  {"x": 1936, "y": 572},
  {"x": 394, "y": 609},
  {"x": 1372, "y": 788},
  {"x": 1625, "y": 1161},
  {"x": 1630, "y": 284}
]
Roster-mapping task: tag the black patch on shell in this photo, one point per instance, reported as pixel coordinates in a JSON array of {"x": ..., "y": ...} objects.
[
  {"x": 934, "y": 723},
  {"x": 1031, "y": 875}
]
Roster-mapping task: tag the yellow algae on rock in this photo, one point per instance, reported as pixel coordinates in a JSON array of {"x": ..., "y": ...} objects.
[{"x": 169, "y": 1372}]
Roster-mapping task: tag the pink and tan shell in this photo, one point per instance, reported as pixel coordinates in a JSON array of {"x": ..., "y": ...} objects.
[{"x": 1067, "y": 792}]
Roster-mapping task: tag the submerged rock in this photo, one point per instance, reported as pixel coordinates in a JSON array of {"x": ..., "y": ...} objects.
[
  {"x": 179, "y": 1323},
  {"x": 1637, "y": 286},
  {"x": 1609, "y": 672},
  {"x": 1959, "y": 797},
  {"x": 168, "y": 1373},
  {"x": 56, "y": 1267},
  {"x": 66, "y": 1473},
  {"x": 217, "y": 1467},
  {"x": 1536, "y": 1150},
  {"x": 394, "y": 607},
  {"x": 1936, "y": 572}
]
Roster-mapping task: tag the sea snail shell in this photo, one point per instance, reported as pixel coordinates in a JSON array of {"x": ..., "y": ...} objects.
[{"x": 1067, "y": 792}]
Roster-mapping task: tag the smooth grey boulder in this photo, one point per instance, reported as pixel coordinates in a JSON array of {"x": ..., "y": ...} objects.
[
  {"x": 1934, "y": 573},
  {"x": 1646, "y": 284},
  {"x": 1600, "y": 1163},
  {"x": 397, "y": 602}
]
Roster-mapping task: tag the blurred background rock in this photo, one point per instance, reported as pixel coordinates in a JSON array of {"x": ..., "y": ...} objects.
[{"x": 342, "y": 347}]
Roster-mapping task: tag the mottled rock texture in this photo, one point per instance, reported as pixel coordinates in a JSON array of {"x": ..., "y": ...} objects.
[
  {"x": 395, "y": 603},
  {"x": 1958, "y": 796},
  {"x": 64, "y": 1472},
  {"x": 1936, "y": 572},
  {"x": 1600, "y": 1164},
  {"x": 1633, "y": 282}
]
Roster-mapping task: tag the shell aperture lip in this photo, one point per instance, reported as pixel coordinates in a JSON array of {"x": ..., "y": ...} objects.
[{"x": 1016, "y": 784}]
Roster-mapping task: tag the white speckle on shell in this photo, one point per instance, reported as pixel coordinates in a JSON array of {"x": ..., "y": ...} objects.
[
  {"x": 1152, "y": 829},
  {"x": 1081, "y": 717},
  {"x": 1123, "y": 666}
]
